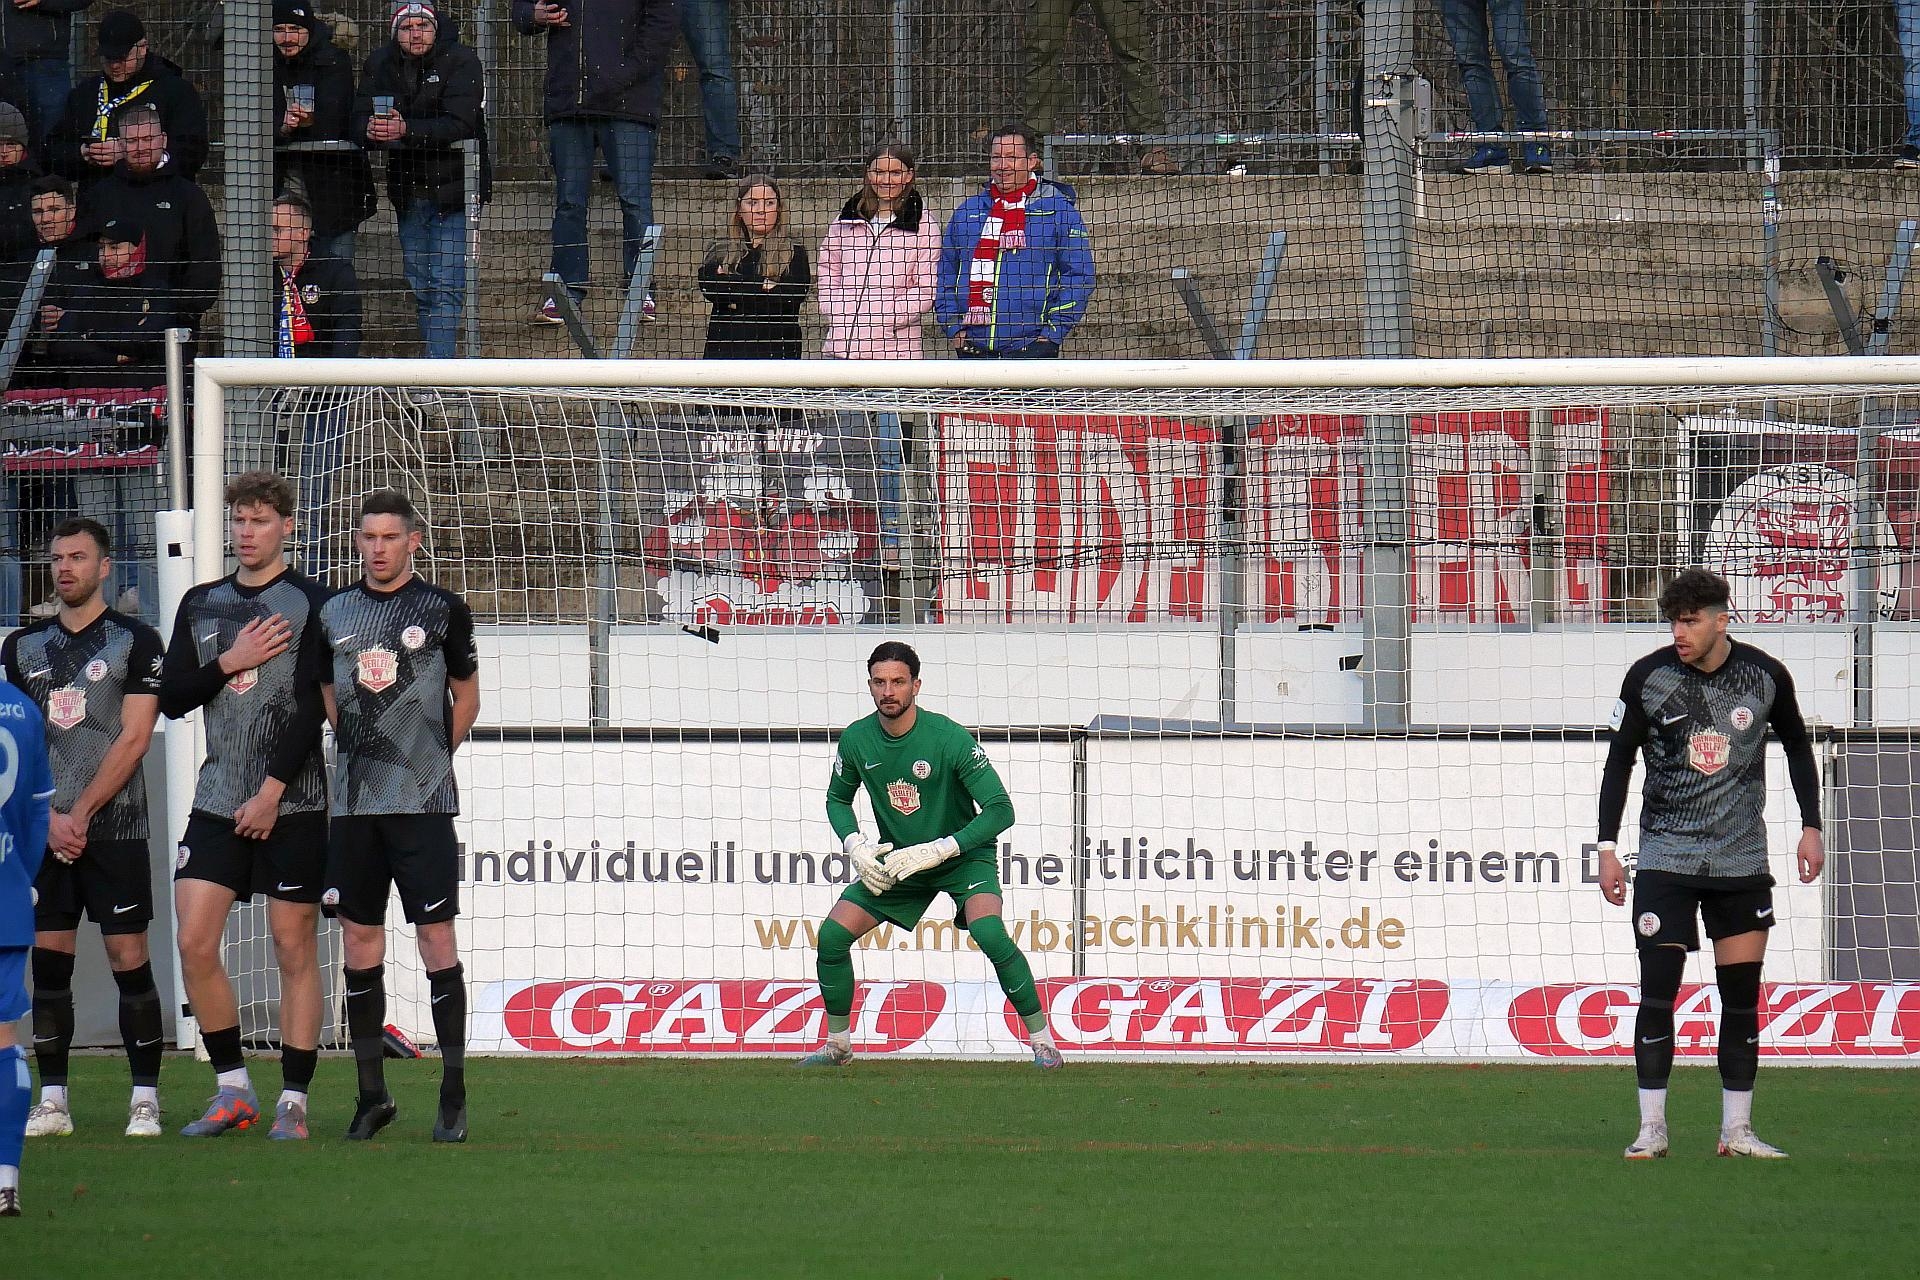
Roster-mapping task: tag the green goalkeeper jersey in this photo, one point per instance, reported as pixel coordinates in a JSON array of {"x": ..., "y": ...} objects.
[{"x": 932, "y": 781}]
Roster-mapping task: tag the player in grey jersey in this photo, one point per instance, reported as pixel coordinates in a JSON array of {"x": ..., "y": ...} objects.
[
  {"x": 402, "y": 690},
  {"x": 1699, "y": 712},
  {"x": 247, "y": 648},
  {"x": 95, "y": 675}
]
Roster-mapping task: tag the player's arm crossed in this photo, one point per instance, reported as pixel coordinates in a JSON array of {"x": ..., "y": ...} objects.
[{"x": 138, "y": 713}]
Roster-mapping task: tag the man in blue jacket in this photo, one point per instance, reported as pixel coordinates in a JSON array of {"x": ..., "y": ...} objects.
[
  {"x": 1016, "y": 265},
  {"x": 606, "y": 64},
  {"x": 26, "y": 808}
]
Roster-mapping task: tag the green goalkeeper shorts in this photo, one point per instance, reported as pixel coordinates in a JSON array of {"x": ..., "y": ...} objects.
[{"x": 964, "y": 877}]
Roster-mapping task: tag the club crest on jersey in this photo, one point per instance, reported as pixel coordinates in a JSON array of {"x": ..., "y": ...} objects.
[
  {"x": 413, "y": 638},
  {"x": 242, "y": 681},
  {"x": 377, "y": 669},
  {"x": 97, "y": 670},
  {"x": 904, "y": 797},
  {"x": 1648, "y": 924},
  {"x": 67, "y": 707},
  {"x": 1707, "y": 751},
  {"x": 1742, "y": 719},
  {"x": 922, "y": 770}
]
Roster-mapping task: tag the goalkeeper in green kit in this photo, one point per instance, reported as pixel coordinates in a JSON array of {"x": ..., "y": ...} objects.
[{"x": 941, "y": 809}]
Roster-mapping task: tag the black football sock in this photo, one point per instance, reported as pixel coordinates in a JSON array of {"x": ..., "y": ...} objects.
[
  {"x": 366, "y": 1024},
  {"x": 447, "y": 988},
  {"x": 140, "y": 1028},
  {"x": 1660, "y": 971},
  {"x": 296, "y": 1067},
  {"x": 52, "y": 1014}
]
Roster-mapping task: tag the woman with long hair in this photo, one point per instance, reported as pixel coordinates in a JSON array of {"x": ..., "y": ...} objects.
[{"x": 757, "y": 277}]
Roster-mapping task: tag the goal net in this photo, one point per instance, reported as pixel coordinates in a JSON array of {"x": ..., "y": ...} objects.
[{"x": 1298, "y": 674}]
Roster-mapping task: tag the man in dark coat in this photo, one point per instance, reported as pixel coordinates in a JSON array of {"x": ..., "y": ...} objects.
[
  {"x": 429, "y": 85},
  {"x": 85, "y": 145},
  {"x": 313, "y": 103},
  {"x": 182, "y": 239},
  {"x": 34, "y": 40},
  {"x": 318, "y": 298},
  {"x": 17, "y": 176},
  {"x": 113, "y": 331},
  {"x": 606, "y": 62}
]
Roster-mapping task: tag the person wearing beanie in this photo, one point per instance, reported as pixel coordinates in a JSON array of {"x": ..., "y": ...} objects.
[
  {"x": 85, "y": 144},
  {"x": 17, "y": 175},
  {"x": 313, "y": 102},
  {"x": 606, "y": 74},
  {"x": 34, "y": 40},
  {"x": 430, "y": 86}
]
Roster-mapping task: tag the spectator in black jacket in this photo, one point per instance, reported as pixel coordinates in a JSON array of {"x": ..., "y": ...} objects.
[
  {"x": 17, "y": 176},
  {"x": 34, "y": 36},
  {"x": 319, "y": 298},
  {"x": 112, "y": 332},
  {"x": 56, "y": 215},
  {"x": 606, "y": 62},
  {"x": 85, "y": 144},
  {"x": 313, "y": 102},
  {"x": 182, "y": 247},
  {"x": 429, "y": 87},
  {"x": 757, "y": 278}
]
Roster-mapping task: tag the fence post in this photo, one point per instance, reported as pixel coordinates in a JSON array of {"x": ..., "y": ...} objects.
[{"x": 246, "y": 293}]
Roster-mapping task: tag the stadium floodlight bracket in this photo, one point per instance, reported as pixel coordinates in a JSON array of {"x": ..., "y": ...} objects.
[
  {"x": 562, "y": 299},
  {"x": 1831, "y": 278}
]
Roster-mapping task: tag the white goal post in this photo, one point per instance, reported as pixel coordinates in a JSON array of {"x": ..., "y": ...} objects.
[{"x": 1297, "y": 671}]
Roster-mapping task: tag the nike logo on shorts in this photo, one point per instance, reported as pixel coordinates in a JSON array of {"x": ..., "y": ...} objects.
[
  {"x": 287, "y": 888},
  {"x": 120, "y": 911},
  {"x": 1763, "y": 912},
  {"x": 431, "y": 905},
  {"x": 975, "y": 885}
]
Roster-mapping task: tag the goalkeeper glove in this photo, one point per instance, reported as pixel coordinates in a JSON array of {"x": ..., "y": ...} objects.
[
  {"x": 916, "y": 858},
  {"x": 866, "y": 855}
]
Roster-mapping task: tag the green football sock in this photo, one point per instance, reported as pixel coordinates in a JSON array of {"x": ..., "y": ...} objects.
[
  {"x": 1016, "y": 978},
  {"x": 834, "y": 965}
]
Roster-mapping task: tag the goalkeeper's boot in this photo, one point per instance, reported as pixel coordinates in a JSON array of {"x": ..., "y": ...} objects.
[
  {"x": 9, "y": 1202},
  {"x": 143, "y": 1118},
  {"x": 830, "y": 1054},
  {"x": 1046, "y": 1055},
  {"x": 1739, "y": 1141},
  {"x": 289, "y": 1123},
  {"x": 450, "y": 1121},
  {"x": 227, "y": 1110},
  {"x": 49, "y": 1120},
  {"x": 1651, "y": 1144},
  {"x": 370, "y": 1118}
]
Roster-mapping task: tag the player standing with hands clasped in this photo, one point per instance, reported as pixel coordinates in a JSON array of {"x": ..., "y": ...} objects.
[
  {"x": 940, "y": 808},
  {"x": 402, "y": 690},
  {"x": 1699, "y": 711}
]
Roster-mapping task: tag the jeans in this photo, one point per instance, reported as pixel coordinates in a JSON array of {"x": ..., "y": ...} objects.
[
  {"x": 1468, "y": 24},
  {"x": 433, "y": 248},
  {"x": 708, "y": 26},
  {"x": 628, "y": 148},
  {"x": 1906, "y": 23},
  {"x": 46, "y": 82}
]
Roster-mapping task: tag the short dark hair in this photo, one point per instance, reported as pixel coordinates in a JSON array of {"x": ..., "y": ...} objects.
[
  {"x": 74, "y": 526},
  {"x": 1015, "y": 129},
  {"x": 390, "y": 502},
  {"x": 54, "y": 185},
  {"x": 140, "y": 113},
  {"x": 261, "y": 489},
  {"x": 895, "y": 651},
  {"x": 297, "y": 203},
  {"x": 1693, "y": 591}
]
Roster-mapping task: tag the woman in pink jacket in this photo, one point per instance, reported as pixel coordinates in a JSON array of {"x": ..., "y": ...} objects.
[{"x": 876, "y": 283}]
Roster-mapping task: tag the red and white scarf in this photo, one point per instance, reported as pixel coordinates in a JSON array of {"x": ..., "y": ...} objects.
[{"x": 1005, "y": 227}]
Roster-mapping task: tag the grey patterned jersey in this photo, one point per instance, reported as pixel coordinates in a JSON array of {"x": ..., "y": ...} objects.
[
  {"x": 262, "y": 721},
  {"x": 78, "y": 679},
  {"x": 392, "y": 655},
  {"x": 1703, "y": 736}
]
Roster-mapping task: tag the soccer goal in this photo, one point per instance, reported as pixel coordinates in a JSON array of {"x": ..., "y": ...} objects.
[{"x": 1298, "y": 674}]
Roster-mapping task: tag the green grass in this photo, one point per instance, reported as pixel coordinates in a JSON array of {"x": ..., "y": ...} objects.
[{"x": 976, "y": 1170}]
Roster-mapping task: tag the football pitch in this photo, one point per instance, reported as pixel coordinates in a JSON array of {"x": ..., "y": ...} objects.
[{"x": 750, "y": 1168}]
